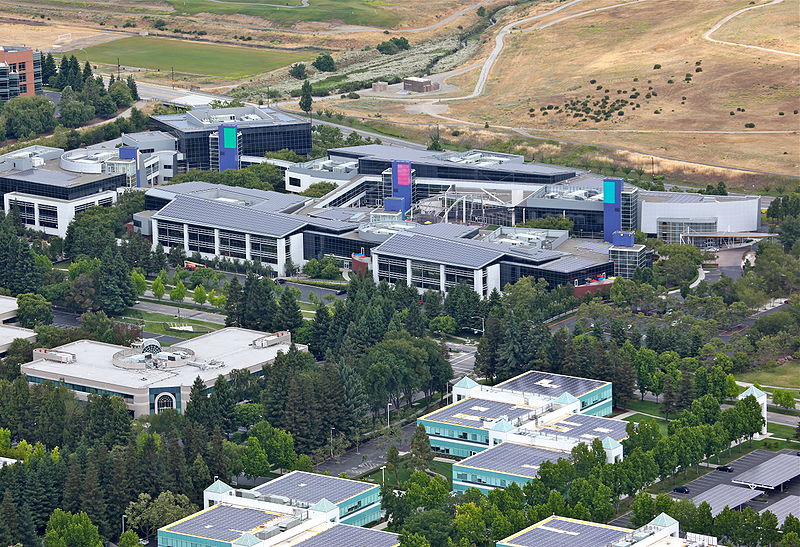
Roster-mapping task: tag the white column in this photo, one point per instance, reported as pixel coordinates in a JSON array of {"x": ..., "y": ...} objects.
[
  {"x": 281, "y": 256},
  {"x": 247, "y": 253},
  {"x": 154, "y": 230},
  {"x": 442, "y": 287},
  {"x": 477, "y": 282},
  {"x": 186, "y": 238},
  {"x": 408, "y": 272},
  {"x": 375, "y": 268},
  {"x": 216, "y": 241}
]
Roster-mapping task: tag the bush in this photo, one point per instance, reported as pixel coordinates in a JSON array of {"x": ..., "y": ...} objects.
[
  {"x": 160, "y": 24},
  {"x": 750, "y": 125},
  {"x": 324, "y": 63},
  {"x": 656, "y": 67},
  {"x": 393, "y": 46},
  {"x": 298, "y": 71}
]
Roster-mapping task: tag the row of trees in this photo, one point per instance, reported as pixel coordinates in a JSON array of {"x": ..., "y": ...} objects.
[{"x": 583, "y": 487}]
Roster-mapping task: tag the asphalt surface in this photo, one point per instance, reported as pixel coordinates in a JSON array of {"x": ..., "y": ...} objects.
[{"x": 69, "y": 320}]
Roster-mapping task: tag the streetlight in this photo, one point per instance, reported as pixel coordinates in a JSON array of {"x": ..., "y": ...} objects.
[
  {"x": 332, "y": 428},
  {"x": 383, "y": 475},
  {"x": 483, "y": 322},
  {"x": 123, "y": 523},
  {"x": 388, "y": 423}
]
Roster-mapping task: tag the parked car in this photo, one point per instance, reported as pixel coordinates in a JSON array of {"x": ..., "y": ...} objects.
[
  {"x": 681, "y": 490},
  {"x": 726, "y": 468}
]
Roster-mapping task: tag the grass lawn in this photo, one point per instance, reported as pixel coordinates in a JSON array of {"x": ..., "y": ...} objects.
[
  {"x": 352, "y": 12},
  {"x": 155, "y": 323},
  {"x": 191, "y": 57},
  {"x": 639, "y": 418},
  {"x": 648, "y": 407},
  {"x": 782, "y": 375},
  {"x": 781, "y": 431},
  {"x": 443, "y": 468}
]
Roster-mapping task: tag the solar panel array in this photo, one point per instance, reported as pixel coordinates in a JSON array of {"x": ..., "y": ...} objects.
[
  {"x": 587, "y": 428},
  {"x": 772, "y": 473},
  {"x": 537, "y": 382},
  {"x": 790, "y": 505},
  {"x": 513, "y": 458},
  {"x": 311, "y": 487},
  {"x": 560, "y": 532},
  {"x": 601, "y": 248},
  {"x": 343, "y": 535},
  {"x": 568, "y": 264},
  {"x": 725, "y": 495},
  {"x": 472, "y": 412},
  {"x": 224, "y": 522}
]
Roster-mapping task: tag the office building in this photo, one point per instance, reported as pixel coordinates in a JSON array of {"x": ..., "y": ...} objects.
[
  {"x": 247, "y": 130},
  {"x": 49, "y": 186},
  {"x": 556, "y": 531},
  {"x": 10, "y": 332},
  {"x": 151, "y": 379},
  {"x": 280, "y": 513},
  {"x": 535, "y": 409},
  {"x": 20, "y": 72}
]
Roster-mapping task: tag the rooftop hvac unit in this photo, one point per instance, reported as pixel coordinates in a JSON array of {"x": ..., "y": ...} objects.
[{"x": 268, "y": 532}]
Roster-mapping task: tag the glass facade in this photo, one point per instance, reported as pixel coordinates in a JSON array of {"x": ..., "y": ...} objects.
[
  {"x": 630, "y": 209},
  {"x": 9, "y": 183},
  {"x": 232, "y": 244},
  {"x": 626, "y": 260},
  {"x": 670, "y": 230},
  {"x": 513, "y": 272},
  {"x": 201, "y": 239},
  {"x": 426, "y": 275},
  {"x": 391, "y": 269},
  {"x": 376, "y": 166},
  {"x": 316, "y": 245},
  {"x": 264, "y": 249},
  {"x": 587, "y": 223},
  {"x": 170, "y": 234}
]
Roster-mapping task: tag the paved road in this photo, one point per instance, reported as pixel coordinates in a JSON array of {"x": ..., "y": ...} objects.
[
  {"x": 69, "y": 320},
  {"x": 462, "y": 359},
  {"x": 182, "y": 313}
]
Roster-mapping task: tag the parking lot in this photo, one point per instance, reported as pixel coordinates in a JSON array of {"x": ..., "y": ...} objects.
[{"x": 746, "y": 462}]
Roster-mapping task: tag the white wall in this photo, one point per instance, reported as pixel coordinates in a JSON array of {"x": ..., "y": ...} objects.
[
  {"x": 65, "y": 209},
  {"x": 732, "y": 216}
]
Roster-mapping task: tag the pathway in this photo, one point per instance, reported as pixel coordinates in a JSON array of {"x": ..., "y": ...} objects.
[{"x": 716, "y": 27}]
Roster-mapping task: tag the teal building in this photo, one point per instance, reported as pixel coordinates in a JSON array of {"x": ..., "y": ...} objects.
[{"x": 595, "y": 396}]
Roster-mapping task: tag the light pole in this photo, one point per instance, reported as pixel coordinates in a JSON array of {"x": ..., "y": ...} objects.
[
  {"x": 483, "y": 322},
  {"x": 388, "y": 423},
  {"x": 332, "y": 428},
  {"x": 123, "y": 523},
  {"x": 383, "y": 475}
]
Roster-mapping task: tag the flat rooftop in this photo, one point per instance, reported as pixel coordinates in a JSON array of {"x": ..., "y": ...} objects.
[
  {"x": 312, "y": 487},
  {"x": 51, "y": 174},
  {"x": 261, "y": 200},
  {"x": 688, "y": 197},
  {"x": 9, "y": 333},
  {"x": 229, "y": 347},
  {"x": 8, "y": 304},
  {"x": 344, "y": 535},
  {"x": 513, "y": 458},
  {"x": 224, "y": 522},
  {"x": 551, "y": 385},
  {"x": 473, "y": 412},
  {"x": 585, "y": 427},
  {"x": 566, "y": 532},
  {"x": 208, "y": 119}
]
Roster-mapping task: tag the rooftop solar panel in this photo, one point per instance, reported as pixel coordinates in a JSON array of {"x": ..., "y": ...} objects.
[
  {"x": 312, "y": 487},
  {"x": 564, "y": 532},
  {"x": 545, "y": 383},
  {"x": 790, "y": 505},
  {"x": 723, "y": 495},
  {"x": 224, "y": 522},
  {"x": 472, "y": 412},
  {"x": 513, "y": 458},
  {"x": 587, "y": 428},
  {"x": 343, "y": 535},
  {"x": 772, "y": 473}
]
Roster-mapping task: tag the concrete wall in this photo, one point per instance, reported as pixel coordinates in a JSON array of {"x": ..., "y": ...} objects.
[{"x": 732, "y": 216}]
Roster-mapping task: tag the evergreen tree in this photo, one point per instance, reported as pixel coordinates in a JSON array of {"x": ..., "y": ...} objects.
[
  {"x": 92, "y": 501},
  {"x": 353, "y": 419},
  {"x": 686, "y": 392},
  {"x": 330, "y": 402},
  {"x": 306, "y": 101},
  {"x": 174, "y": 465},
  {"x": 199, "y": 409},
  {"x": 258, "y": 307},
  {"x": 132, "y": 87},
  {"x": 199, "y": 479},
  {"x": 62, "y": 78},
  {"x": 624, "y": 380},
  {"x": 115, "y": 288},
  {"x": 513, "y": 352},
  {"x": 415, "y": 323},
  {"x": 217, "y": 459},
  {"x": 233, "y": 303},
  {"x": 49, "y": 69},
  {"x": 301, "y": 418},
  {"x": 289, "y": 316},
  {"x": 393, "y": 461},
  {"x": 668, "y": 403},
  {"x": 421, "y": 455},
  {"x": 87, "y": 74},
  {"x": 73, "y": 487},
  {"x": 318, "y": 339},
  {"x": 223, "y": 404}
]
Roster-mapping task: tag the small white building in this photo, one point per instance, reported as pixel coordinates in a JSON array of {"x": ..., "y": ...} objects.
[
  {"x": 9, "y": 333},
  {"x": 151, "y": 379}
]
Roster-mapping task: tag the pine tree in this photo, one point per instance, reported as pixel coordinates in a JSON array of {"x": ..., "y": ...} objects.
[
  {"x": 300, "y": 415},
  {"x": 149, "y": 472},
  {"x": 513, "y": 352},
  {"x": 686, "y": 392},
  {"x": 87, "y": 74},
  {"x": 318, "y": 340},
  {"x": 217, "y": 459},
  {"x": 289, "y": 315},
  {"x": 199, "y": 479},
  {"x": 224, "y": 404},
  {"x": 49, "y": 69},
  {"x": 355, "y": 410},
  {"x": 421, "y": 455},
  {"x": 73, "y": 486},
  {"x": 624, "y": 380},
  {"x": 174, "y": 465},
  {"x": 393, "y": 461},
  {"x": 195, "y": 437},
  {"x": 258, "y": 307},
  {"x": 93, "y": 502},
  {"x": 306, "y": 101},
  {"x": 562, "y": 359},
  {"x": 199, "y": 409},
  {"x": 415, "y": 323},
  {"x": 133, "y": 88},
  {"x": 669, "y": 400},
  {"x": 62, "y": 78},
  {"x": 115, "y": 288},
  {"x": 330, "y": 402},
  {"x": 233, "y": 303}
]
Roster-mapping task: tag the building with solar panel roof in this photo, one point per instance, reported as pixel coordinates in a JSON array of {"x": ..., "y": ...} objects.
[
  {"x": 535, "y": 409},
  {"x": 555, "y": 531},
  {"x": 234, "y": 518}
]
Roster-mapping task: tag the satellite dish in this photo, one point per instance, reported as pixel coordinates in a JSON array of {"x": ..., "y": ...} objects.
[{"x": 151, "y": 345}]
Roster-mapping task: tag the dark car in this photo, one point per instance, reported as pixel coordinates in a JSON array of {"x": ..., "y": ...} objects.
[
  {"x": 280, "y": 281},
  {"x": 726, "y": 468},
  {"x": 681, "y": 490},
  {"x": 341, "y": 292}
]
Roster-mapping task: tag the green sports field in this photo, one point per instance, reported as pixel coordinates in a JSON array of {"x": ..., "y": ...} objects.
[
  {"x": 192, "y": 57},
  {"x": 352, "y": 12}
]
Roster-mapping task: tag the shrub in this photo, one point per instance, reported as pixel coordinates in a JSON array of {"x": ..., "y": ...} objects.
[
  {"x": 324, "y": 63},
  {"x": 298, "y": 71},
  {"x": 656, "y": 67},
  {"x": 698, "y": 69},
  {"x": 750, "y": 125},
  {"x": 160, "y": 24}
]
